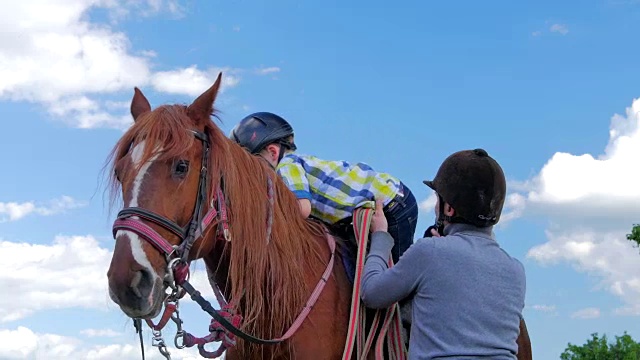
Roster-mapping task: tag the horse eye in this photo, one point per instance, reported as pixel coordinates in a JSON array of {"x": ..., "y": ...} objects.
[
  {"x": 182, "y": 167},
  {"x": 115, "y": 172}
]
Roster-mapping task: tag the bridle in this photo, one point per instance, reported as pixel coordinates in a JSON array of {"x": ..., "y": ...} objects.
[
  {"x": 177, "y": 256},
  {"x": 177, "y": 272},
  {"x": 127, "y": 220}
]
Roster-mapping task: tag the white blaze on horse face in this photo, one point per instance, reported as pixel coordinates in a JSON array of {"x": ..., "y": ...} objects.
[{"x": 136, "y": 243}]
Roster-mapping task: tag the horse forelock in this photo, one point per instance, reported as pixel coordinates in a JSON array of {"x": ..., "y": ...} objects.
[{"x": 165, "y": 133}]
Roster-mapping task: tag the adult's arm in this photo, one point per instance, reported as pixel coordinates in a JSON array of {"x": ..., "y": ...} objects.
[{"x": 383, "y": 286}]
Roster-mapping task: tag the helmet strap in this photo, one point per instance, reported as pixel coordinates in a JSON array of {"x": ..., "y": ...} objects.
[
  {"x": 281, "y": 152},
  {"x": 441, "y": 216},
  {"x": 284, "y": 147}
]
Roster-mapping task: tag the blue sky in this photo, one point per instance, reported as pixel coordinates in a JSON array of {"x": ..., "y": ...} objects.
[{"x": 547, "y": 88}]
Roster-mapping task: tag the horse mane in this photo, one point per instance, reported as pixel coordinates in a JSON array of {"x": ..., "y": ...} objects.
[{"x": 266, "y": 275}]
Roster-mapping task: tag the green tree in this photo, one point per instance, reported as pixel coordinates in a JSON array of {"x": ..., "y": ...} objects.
[
  {"x": 635, "y": 235},
  {"x": 598, "y": 348}
]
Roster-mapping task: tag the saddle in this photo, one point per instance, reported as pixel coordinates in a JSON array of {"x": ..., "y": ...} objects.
[{"x": 348, "y": 248}]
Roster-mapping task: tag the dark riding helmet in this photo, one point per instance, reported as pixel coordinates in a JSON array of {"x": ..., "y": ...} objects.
[
  {"x": 260, "y": 129},
  {"x": 473, "y": 183}
]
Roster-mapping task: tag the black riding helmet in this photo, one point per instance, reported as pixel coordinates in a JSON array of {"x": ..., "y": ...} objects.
[
  {"x": 473, "y": 183},
  {"x": 260, "y": 129}
]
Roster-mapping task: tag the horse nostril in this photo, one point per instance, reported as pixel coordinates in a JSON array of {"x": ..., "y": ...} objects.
[{"x": 141, "y": 280}]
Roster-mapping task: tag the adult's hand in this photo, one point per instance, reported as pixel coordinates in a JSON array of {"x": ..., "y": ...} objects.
[
  {"x": 431, "y": 232},
  {"x": 379, "y": 221}
]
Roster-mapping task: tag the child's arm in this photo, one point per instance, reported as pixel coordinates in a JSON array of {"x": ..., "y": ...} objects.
[
  {"x": 305, "y": 207},
  {"x": 295, "y": 177}
]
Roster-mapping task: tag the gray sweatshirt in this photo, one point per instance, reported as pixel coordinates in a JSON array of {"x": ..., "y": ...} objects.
[{"x": 467, "y": 293}]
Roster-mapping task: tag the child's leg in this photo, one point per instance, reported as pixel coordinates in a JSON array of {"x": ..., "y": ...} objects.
[{"x": 402, "y": 217}]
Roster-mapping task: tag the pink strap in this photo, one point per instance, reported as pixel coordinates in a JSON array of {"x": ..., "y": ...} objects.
[
  {"x": 169, "y": 309},
  {"x": 223, "y": 215},
  {"x": 316, "y": 292},
  {"x": 314, "y": 295},
  {"x": 147, "y": 232},
  {"x": 206, "y": 221}
]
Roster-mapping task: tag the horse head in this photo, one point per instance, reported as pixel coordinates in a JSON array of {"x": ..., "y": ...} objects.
[{"x": 162, "y": 167}]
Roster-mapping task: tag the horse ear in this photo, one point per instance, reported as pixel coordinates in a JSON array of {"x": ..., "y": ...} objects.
[
  {"x": 202, "y": 107},
  {"x": 139, "y": 104}
]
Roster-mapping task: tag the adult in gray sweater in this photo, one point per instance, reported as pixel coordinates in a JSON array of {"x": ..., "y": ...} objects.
[{"x": 467, "y": 293}]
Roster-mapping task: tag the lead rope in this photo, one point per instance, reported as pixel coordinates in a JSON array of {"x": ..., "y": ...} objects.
[
  {"x": 137, "y": 323},
  {"x": 391, "y": 323}
]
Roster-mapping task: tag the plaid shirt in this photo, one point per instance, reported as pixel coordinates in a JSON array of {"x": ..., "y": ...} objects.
[{"x": 336, "y": 188}]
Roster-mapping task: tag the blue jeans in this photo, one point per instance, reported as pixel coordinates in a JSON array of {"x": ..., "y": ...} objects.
[{"x": 402, "y": 218}]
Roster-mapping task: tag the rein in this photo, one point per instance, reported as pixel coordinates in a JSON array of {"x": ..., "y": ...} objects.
[
  {"x": 225, "y": 324},
  {"x": 390, "y": 331}
]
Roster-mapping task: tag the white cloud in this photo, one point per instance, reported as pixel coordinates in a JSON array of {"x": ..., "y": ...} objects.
[
  {"x": 268, "y": 70},
  {"x": 514, "y": 206},
  {"x": 152, "y": 7},
  {"x": 69, "y": 273},
  {"x": 85, "y": 113},
  {"x": 544, "y": 308},
  {"x": 100, "y": 333},
  {"x": 23, "y": 343},
  {"x": 591, "y": 203},
  {"x": 587, "y": 313},
  {"x": 629, "y": 310},
  {"x": 54, "y": 56},
  {"x": 15, "y": 211},
  {"x": 59, "y": 205},
  {"x": 12, "y": 211},
  {"x": 586, "y": 188},
  {"x": 428, "y": 204},
  {"x": 191, "y": 80},
  {"x": 559, "y": 28},
  {"x": 607, "y": 255},
  {"x": 52, "y": 53}
]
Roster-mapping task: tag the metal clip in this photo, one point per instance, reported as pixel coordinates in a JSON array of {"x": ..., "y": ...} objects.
[
  {"x": 168, "y": 276},
  {"x": 178, "y": 341},
  {"x": 158, "y": 342},
  {"x": 179, "y": 333},
  {"x": 163, "y": 350}
]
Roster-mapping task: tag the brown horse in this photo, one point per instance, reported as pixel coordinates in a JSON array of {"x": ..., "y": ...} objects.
[
  {"x": 168, "y": 167},
  {"x": 157, "y": 162}
]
